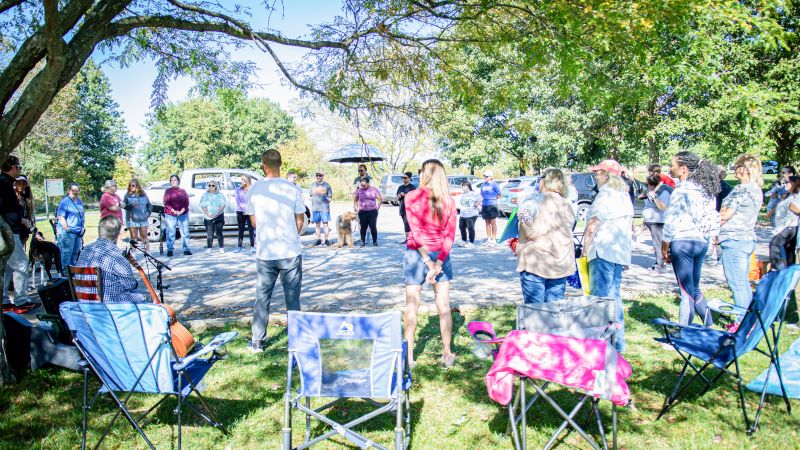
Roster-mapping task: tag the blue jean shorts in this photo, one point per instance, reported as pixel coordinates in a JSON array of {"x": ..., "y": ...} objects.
[
  {"x": 135, "y": 224},
  {"x": 415, "y": 271},
  {"x": 319, "y": 216}
]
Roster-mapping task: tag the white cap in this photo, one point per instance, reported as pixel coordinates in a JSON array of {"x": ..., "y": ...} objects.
[{"x": 488, "y": 173}]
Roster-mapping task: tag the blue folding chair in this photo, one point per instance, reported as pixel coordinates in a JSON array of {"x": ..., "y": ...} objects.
[
  {"x": 721, "y": 349},
  {"x": 344, "y": 356},
  {"x": 128, "y": 347}
]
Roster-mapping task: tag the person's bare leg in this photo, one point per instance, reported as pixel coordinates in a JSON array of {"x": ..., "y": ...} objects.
[
  {"x": 327, "y": 230},
  {"x": 442, "y": 293},
  {"x": 316, "y": 229},
  {"x": 143, "y": 237},
  {"x": 134, "y": 232},
  {"x": 488, "y": 230},
  {"x": 410, "y": 321}
]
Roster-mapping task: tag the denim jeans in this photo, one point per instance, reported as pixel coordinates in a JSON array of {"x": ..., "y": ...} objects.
[
  {"x": 70, "y": 245},
  {"x": 687, "y": 263},
  {"x": 605, "y": 279},
  {"x": 291, "y": 272},
  {"x": 536, "y": 289},
  {"x": 736, "y": 264},
  {"x": 18, "y": 269},
  {"x": 170, "y": 224}
]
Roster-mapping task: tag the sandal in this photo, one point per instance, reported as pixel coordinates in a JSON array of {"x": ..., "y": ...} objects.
[{"x": 449, "y": 361}]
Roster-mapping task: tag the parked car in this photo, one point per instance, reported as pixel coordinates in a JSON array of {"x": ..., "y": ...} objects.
[
  {"x": 769, "y": 167},
  {"x": 194, "y": 182},
  {"x": 586, "y": 186},
  {"x": 514, "y": 191},
  {"x": 388, "y": 187}
]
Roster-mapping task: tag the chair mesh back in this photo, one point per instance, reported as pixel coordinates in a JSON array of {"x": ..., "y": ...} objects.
[
  {"x": 767, "y": 301},
  {"x": 586, "y": 317},
  {"x": 119, "y": 340},
  {"x": 86, "y": 283},
  {"x": 346, "y": 355}
]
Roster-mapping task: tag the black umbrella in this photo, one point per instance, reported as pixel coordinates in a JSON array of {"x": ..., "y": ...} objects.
[{"x": 356, "y": 153}]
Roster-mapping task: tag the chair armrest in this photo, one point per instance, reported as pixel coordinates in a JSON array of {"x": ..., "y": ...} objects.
[
  {"x": 724, "y": 307},
  {"x": 215, "y": 343},
  {"x": 668, "y": 323}
]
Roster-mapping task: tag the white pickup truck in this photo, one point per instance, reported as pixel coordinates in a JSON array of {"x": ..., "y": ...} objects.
[{"x": 194, "y": 182}]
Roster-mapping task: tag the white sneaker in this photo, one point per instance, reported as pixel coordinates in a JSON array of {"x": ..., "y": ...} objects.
[
  {"x": 209, "y": 250},
  {"x": 469, "y": 245},
  {"x": 252, "y": 250},
  {"x": 238, "y": 250},
  {"x": 222, "y": 249},
  {"x": 461, "y": 243}
]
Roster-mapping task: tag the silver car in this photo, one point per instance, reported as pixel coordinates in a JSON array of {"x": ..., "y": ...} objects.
[
  {"x": 515, "y": 191},
  {"x": 389, "y": 184}
]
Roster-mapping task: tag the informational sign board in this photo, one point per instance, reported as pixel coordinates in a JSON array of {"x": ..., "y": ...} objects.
[{"x": 54, "y": 187}]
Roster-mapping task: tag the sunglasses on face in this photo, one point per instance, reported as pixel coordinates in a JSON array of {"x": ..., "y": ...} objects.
[{"x": 319, "y": 176}]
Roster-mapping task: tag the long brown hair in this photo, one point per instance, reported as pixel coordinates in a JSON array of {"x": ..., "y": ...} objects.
[
  {"x": 137, "y": 189},
  {"x": 434, "y": 178}
]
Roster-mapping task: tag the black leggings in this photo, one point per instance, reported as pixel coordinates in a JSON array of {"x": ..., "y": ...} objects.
[
  {"x": 368, "y": 219},
  {"x": 243, "y": 221},
  {"x": 214, "y": 226},
  {"x": 467, "y": 226},
  {"x": 781, "y": 248}
]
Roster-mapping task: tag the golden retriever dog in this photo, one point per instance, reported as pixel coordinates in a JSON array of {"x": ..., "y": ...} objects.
[{"x": 344, "y": 228}]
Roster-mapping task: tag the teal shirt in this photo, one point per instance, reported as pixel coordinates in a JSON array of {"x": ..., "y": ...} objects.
[{"x": 213, "y": 203}]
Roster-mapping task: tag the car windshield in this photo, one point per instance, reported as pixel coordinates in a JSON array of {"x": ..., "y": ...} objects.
[
  {"x": 512, "y": 184},
  {"x": 456, "y": 181}
]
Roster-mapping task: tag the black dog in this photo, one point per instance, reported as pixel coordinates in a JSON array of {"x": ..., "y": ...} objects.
[{"x": 45, "y": 252}]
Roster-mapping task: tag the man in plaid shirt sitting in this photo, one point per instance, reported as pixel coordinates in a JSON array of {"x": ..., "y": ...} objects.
[{"x": 119, "y": 284}]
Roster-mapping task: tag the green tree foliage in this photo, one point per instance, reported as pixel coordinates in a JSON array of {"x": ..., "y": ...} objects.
[
  {"x": 79, "y": 138},
  {"x": 227, "y": 130},
  {"x": 102, "y": 136}
]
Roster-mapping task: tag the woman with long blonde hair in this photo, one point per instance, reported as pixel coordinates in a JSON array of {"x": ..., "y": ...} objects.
[
  {"x": 431, "y": 215},
  {"x": 737, "y": 236}
]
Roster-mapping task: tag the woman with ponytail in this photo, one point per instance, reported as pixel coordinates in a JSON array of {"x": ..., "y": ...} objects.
[
  {"x": 691, "y": 222},
  {"x": 431, "y": 215}
]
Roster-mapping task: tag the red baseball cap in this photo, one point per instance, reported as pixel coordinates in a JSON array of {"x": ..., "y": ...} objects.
[{"x": 609, "y": 165}]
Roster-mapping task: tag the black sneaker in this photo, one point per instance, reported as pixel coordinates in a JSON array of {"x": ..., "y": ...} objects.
[
  {"x": 363, "y": 244},
  {"x": 374, "y": 244},
  {"x": 169, "y": 253},
  {"x": 318, "y": 243},
  {"x": 187, "y": 252},
  {"x": 327, "y": 243},
  {"x": 255, "y": 347}
]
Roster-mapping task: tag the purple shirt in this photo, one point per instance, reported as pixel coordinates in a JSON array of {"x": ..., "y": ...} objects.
[
  {"x": 241, "y": 199},
  {"x": 367, "y": 198},
  {"x": 175, "y": 199}
]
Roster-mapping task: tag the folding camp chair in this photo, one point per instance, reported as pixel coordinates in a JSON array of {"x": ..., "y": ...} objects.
[
  {"x": 86, "y": 283},
  {"x": 588, "y": 318},
  {"x": 128, "y": 347},
  {"x": 721, "y": 349},
  {"x": 344, "y": 356}
]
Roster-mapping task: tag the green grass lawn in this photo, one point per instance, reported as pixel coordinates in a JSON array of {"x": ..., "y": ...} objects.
[
  {"x": 451, "y": 409},
  {"x": 91, "y": 220}
]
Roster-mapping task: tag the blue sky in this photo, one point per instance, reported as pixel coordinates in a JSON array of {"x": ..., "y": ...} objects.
[{"x": 132, "y": 86}]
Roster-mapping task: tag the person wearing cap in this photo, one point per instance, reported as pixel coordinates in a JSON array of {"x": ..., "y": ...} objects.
[
  {"x": 25, "y": 197},
  {"x": 402, "y": 191},
  {"x": 607, "y": 237},
  {"x": 490, "y": 192},
  {"x": 321, "y": 194},
  {"x": 110, "y": 203}
]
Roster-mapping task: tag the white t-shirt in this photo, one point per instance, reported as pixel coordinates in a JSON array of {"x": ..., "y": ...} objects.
[
  {"x": 612, "y": 240},
  {"x": 784, "y": 217},
  {"x": 469, "y": 201},
  {"x": 274, "y": 203}
]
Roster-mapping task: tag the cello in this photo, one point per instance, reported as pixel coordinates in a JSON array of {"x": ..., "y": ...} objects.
[{"x": 182, "y": 339}]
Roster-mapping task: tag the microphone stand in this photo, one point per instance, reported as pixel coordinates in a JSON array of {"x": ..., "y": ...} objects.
[{"x": 159, "y": 266}]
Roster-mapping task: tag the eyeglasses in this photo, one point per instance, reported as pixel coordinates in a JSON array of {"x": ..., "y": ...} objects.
[
  {"x": 212, "y": 186},
  {"x": 319, "y": 175},
  {"x": 405, "y": 178},
  {"x": 486, "y": 176},
  {"x": 360, "y": 171},
  {"x": 18, "y": 166}
]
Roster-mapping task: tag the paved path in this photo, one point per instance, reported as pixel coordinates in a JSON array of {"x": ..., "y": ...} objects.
[{"x": 220, "y": 287}]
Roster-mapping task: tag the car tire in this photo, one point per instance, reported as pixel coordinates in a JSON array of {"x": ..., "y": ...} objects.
[{"x": 154, "y": 228}]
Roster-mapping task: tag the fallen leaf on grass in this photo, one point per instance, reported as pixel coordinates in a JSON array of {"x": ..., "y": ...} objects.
[{"x": 717, "y": 438}]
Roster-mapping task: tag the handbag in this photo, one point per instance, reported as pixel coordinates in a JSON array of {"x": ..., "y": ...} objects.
[{"x": 583, "y": 273}]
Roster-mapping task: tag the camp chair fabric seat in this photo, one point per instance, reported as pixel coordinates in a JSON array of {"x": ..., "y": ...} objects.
[
  {"x": 347, "y": 356},
  {"x": 762, "y": 322},
  {"x": 128, "y": 347}
]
